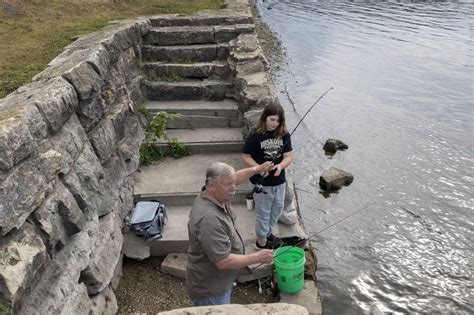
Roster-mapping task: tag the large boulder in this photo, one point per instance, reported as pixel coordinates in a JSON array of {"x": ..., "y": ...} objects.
[{"x": 334, "y": 179}]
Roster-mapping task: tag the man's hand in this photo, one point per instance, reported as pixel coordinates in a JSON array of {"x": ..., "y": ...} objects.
[
  {"x": 265, "y": 256},
  {"x": 264, "y": 168}
]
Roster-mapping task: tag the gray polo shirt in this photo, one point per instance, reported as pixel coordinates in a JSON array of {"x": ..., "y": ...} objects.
[{"x": 212, "y": 237}]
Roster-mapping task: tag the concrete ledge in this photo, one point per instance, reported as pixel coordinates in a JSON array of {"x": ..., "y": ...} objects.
[
  {"x": 309, "y": 298},
  {"x": 237, "y": 309}
]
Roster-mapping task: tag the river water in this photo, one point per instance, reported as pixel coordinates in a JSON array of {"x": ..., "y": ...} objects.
[{"x": 402, "y": 74}]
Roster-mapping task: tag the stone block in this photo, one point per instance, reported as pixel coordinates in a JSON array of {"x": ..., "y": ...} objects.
[
  {"x": 58, "y": 290},
  {"x": 258, "y": 96},
  {"x": 91, "y": 112},
  {"x": 250, "y": 119},
  {"x": 104, "y": 303},
  {"x": 175, "y": 265},
  {"x": 308, "y": 298},
  {"x": 237, "y": 309},
  {"x": 128, "y": 148},
  {"x": 254, "y": 272},
  {"x": 135, "y": 247},
  {"x": 103, "y": 139},
  {"x": 25, "y": 187},
  {"x": 82, "y": 76},
  {"x": 85, "y": 180},
  {"x": 119, "y": 114},
  {"x": 21, "y": 126},
  {"x": 180, "y": 35},
  {"x": 118, "y": 274},
  {"x": 22, "y": 254},
  {"x": 56, "y": 99},
  {"x": 226, "y": 33},
  {"x": 105, "y": 255},
  {"x": 59, "y": 217},
  {"x": 94, "y": 54},
  {"x": 68, "y": 141},
  {"x": 116, "y": 37},
  {"x": 249, "y": 67}
]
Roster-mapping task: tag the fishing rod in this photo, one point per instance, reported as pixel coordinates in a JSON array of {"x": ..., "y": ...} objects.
[
  {"x": 258, "y": 188},
  {"x": 316, "y": 233}
]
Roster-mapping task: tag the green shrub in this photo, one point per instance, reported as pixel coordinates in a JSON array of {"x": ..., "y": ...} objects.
[{"x": 178, "y": 149}]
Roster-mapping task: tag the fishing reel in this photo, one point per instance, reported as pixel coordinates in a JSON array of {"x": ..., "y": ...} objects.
[{"x": 258, "y": 189}]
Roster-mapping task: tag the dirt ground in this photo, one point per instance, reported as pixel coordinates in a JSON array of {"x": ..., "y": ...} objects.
[{"x": 145, "y": 289}]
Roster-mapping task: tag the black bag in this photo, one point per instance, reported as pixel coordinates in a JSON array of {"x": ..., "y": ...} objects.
[{"x": 148, "y": 219}]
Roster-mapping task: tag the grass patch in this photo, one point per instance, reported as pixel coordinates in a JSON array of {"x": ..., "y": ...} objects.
[{"x": 33, "y": 32}]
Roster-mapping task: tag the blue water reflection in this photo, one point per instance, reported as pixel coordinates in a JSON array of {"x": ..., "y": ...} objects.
[{"x": 403, "y": 101}]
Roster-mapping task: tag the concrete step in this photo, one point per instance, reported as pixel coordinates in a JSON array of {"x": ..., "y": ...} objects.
[
  {"x": 198, "y": 121},
  {"x": 217, "y": 17},
  {"x": 206, "y": 140},
  {"x": 224, "y": 108},
  {"x": 185, "y": 53},
  {"x": 192, "y": 89},
  {"x": 176, "y": 180},
  {"x": 186, "y": 35},
  {"x": 213, "y": 70}
]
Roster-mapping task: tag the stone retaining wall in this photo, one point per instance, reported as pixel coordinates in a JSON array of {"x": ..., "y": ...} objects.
[{"x": 69, "y": 146}]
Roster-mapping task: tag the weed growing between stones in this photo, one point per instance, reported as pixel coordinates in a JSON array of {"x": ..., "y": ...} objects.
[{"x": 156, "y": 129}]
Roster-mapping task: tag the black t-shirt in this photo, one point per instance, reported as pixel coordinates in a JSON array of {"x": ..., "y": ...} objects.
[{"x": 265, "y": 147}]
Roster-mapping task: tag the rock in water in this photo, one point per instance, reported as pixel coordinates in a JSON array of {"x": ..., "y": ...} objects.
[
  {"x": 332, "y": 145},
  {"x": 333, "y": 179}
]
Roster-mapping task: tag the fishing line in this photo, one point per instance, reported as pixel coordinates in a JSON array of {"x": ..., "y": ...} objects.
[{"x": 316, "y": 233}]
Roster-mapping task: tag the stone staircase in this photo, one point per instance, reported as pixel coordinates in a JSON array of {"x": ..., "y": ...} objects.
[{"x": 186, "y": 69}]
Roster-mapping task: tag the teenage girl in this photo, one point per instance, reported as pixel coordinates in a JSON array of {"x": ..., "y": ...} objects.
[{"x": 270, "y": 141}]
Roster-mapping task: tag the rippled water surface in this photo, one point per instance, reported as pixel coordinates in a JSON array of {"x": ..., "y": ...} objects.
[{"x": 402, "y": 74}]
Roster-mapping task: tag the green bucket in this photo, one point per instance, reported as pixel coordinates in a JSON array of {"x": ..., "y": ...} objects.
[{"x": 290, "y": 268}]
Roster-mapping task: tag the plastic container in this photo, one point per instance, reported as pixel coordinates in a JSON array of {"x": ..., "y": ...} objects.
[{"x": 290, "y": 269}]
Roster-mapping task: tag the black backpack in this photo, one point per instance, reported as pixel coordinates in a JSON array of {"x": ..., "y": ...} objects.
[{"x": 148, "y": 219}]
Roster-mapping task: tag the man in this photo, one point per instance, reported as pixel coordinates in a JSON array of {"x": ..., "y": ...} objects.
[{"x": 216, "y": 250}]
